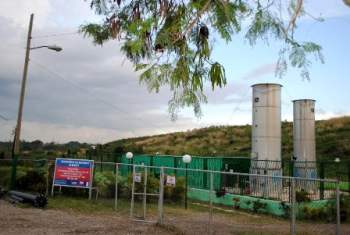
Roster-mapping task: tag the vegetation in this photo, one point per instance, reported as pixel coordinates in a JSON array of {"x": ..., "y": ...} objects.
[
  {"x": 171, "y": 42},
  {"x": 332, "y": 140},
  {"x": 302, "y": 196},
  {"x": 327, "y": 212},
  {"x": 105, "y": 181}
]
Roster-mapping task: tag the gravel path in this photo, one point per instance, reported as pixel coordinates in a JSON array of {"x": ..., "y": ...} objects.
[{"x": 17, "y": 220}]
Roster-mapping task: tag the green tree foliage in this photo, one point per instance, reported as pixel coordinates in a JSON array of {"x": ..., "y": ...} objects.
[{"x": 170, "y": 41}]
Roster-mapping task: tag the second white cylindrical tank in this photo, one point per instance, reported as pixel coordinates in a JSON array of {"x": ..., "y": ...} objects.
[
  {"x": 304, "y": 148},
  {"x": 266, "y": 125}
]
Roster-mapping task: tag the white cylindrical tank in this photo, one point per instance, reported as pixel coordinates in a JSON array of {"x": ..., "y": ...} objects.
[
  {"x": 304, "y": 130},
  {"x": 266, "y": 125},
  {"x": 266, "y": 141}
]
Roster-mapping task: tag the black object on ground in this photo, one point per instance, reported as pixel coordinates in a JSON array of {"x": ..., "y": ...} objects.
[
  {"x": 38, "y": 200},
  {"x": 2, "y": 192}
]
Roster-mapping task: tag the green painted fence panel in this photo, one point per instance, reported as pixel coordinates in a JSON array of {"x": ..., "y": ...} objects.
[
  {"x": 213, "y": 164},
  {"x": 195, "y": 178},
  {"x": 166, "y": 161}
]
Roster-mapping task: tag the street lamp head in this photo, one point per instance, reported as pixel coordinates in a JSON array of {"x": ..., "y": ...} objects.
[
  {"x": 337, "y": 160},
  {"x": 129, "y": 155},
  {"x": 186, "y": 158},
  {"x": 55, "y": 48}
]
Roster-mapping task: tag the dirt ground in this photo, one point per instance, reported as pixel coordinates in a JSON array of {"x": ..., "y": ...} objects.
[{"x": 18, "y": 220}]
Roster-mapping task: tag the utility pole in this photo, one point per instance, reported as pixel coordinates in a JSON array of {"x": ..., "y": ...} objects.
[
  {"x": 23, "y": 88},
  {"x": 16, "y": 142}
]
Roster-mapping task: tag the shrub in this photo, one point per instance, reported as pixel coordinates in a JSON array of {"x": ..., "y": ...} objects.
[
  {"x": 286, "y": 209},
  {"x": 177, "y": 193},
  {"x": 302, "y": 196},
  {"x": 32, "y": 181},
  {"x": 328, "y": 212},
  {"x": 259, "y": 206},
  {"x": 236, "y": 201},
  {"x": 105, "y": 181}
]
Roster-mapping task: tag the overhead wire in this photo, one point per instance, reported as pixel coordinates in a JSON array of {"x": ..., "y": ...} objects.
[
  {"x": 56, "y": 35},
  {"x": 4, "y": 118},
  {"x": 86, "y": 91}
]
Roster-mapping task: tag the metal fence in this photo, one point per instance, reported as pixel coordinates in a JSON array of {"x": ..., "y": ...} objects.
[{"x": 156, "y": 193}]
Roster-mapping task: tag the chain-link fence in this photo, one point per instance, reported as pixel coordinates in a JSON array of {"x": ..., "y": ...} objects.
[{"x": 201, "y": 201}]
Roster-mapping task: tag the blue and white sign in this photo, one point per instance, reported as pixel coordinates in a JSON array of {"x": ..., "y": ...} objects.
[{"x": 73, "y": 173}]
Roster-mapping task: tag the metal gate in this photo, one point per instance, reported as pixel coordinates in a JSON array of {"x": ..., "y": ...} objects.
[{"x": 139, "y": 190}]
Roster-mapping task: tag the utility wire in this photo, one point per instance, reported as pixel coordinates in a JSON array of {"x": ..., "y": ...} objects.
[
  {"x": 4, "y": 118},
  {"x": 85, "y": 90},
  {"x": 56, "y": 35}
]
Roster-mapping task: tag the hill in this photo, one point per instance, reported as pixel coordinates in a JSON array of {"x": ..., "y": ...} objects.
[{"x": 332, "y": 140}]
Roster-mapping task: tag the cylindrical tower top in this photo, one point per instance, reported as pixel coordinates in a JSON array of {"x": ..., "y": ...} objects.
[
  {"x": 304, "y": 100},
  {"x": 267, "y": 84},
  {"x": 304, "y": 130},
  {"x": 266, "y": 125}
]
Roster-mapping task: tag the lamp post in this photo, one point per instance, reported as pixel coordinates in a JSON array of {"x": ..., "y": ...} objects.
[
  {"x": 16, "y": 142},
  {"x": 129, "y": 156},
  {"x": 186, "y": 159},
  {"x": 93, "y": 153},
  {"x": 337, "y": 161}
]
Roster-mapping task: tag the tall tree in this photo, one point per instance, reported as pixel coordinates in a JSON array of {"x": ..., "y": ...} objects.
[{"x": 169, "y": 40}]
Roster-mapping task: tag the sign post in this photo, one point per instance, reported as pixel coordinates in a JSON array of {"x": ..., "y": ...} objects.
[{"x": 73, "y": 173}]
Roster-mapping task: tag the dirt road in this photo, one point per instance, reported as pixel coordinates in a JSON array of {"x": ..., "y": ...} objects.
[{"x": 17, "y": 220}]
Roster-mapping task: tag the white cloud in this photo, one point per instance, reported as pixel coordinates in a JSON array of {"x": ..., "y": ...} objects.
[{"x": 19, "y": 11}]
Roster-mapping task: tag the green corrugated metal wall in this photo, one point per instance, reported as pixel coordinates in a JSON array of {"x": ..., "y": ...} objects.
[{"x": 195, "y": 179}]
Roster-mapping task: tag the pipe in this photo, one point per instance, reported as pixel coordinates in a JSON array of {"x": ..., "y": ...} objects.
[{"x": 38, "y": 200}]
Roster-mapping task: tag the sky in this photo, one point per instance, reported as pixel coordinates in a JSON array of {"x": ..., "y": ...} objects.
[{"x": 91, "y": 94}]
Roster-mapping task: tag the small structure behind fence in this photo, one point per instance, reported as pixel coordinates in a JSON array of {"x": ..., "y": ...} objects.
[{"x": 208, "y": 187}]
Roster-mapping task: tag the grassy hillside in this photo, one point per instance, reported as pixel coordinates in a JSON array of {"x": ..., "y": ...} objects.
[{"x": 332, "y": 140}]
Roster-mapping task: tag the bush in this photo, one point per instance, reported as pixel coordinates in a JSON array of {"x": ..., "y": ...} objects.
[
  {"x": 236, "y": 202},
  {"x": 175, "y": 193},
  {"x": 286, "y": 209},
  {"x": 32, "y": 181},
  {"x": 302, "y": 196},
  {"x": 328, "y": 212},
  {"x": 105, "y": 181},
  {"x": 259, "y": 206}
]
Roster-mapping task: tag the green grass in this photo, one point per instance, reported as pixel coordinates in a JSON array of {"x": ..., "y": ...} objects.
[
  {"x": 343, "y": 186},
  {"x": 82, "y": 205}
]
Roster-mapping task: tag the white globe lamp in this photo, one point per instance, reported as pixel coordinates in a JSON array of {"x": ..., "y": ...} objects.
[
  {"x": 186, "y": 158},
  {"x": 129, "y": 155}
]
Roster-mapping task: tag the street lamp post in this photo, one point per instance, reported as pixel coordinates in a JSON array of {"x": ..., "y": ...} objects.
[
  {"x": 186, "y": 159},
  {"x": 16, "y": 142},
  {"x": 129, "y": 156},
  {"x": 337, "y": 162}
]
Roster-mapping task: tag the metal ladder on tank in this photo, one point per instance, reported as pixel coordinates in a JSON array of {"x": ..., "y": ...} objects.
[{"x": 145, "y": 194}]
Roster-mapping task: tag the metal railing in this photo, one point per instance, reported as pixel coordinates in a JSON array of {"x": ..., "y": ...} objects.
[{"x": 293, "y": 193}]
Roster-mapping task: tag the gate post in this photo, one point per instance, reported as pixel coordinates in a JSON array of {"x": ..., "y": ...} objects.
[
  {"x": 292, "y": 225},
  {"x": 338, "y": 208},
  {"x": 116, "y": 186},
  {"x": 211, "y": 202},
  {"x": 161, "y": 196},
  {"x": 132, "y": 192}
]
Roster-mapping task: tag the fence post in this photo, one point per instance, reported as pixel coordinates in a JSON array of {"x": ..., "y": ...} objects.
[
  {"x": 211, "y": 202},
  {"x": 161, "y": 195},
  {"x": 116, "y": 186},
  {"x": 292, "y": 225},
  {"x": 349, "y": 176},
  {"x": 338, "y": 208},
  {"x": 145, "y": 192},
  {"x": 132, "y": 192},
  {"x": 322, "y": 182},
  {"x": 47, "y": 176}
]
